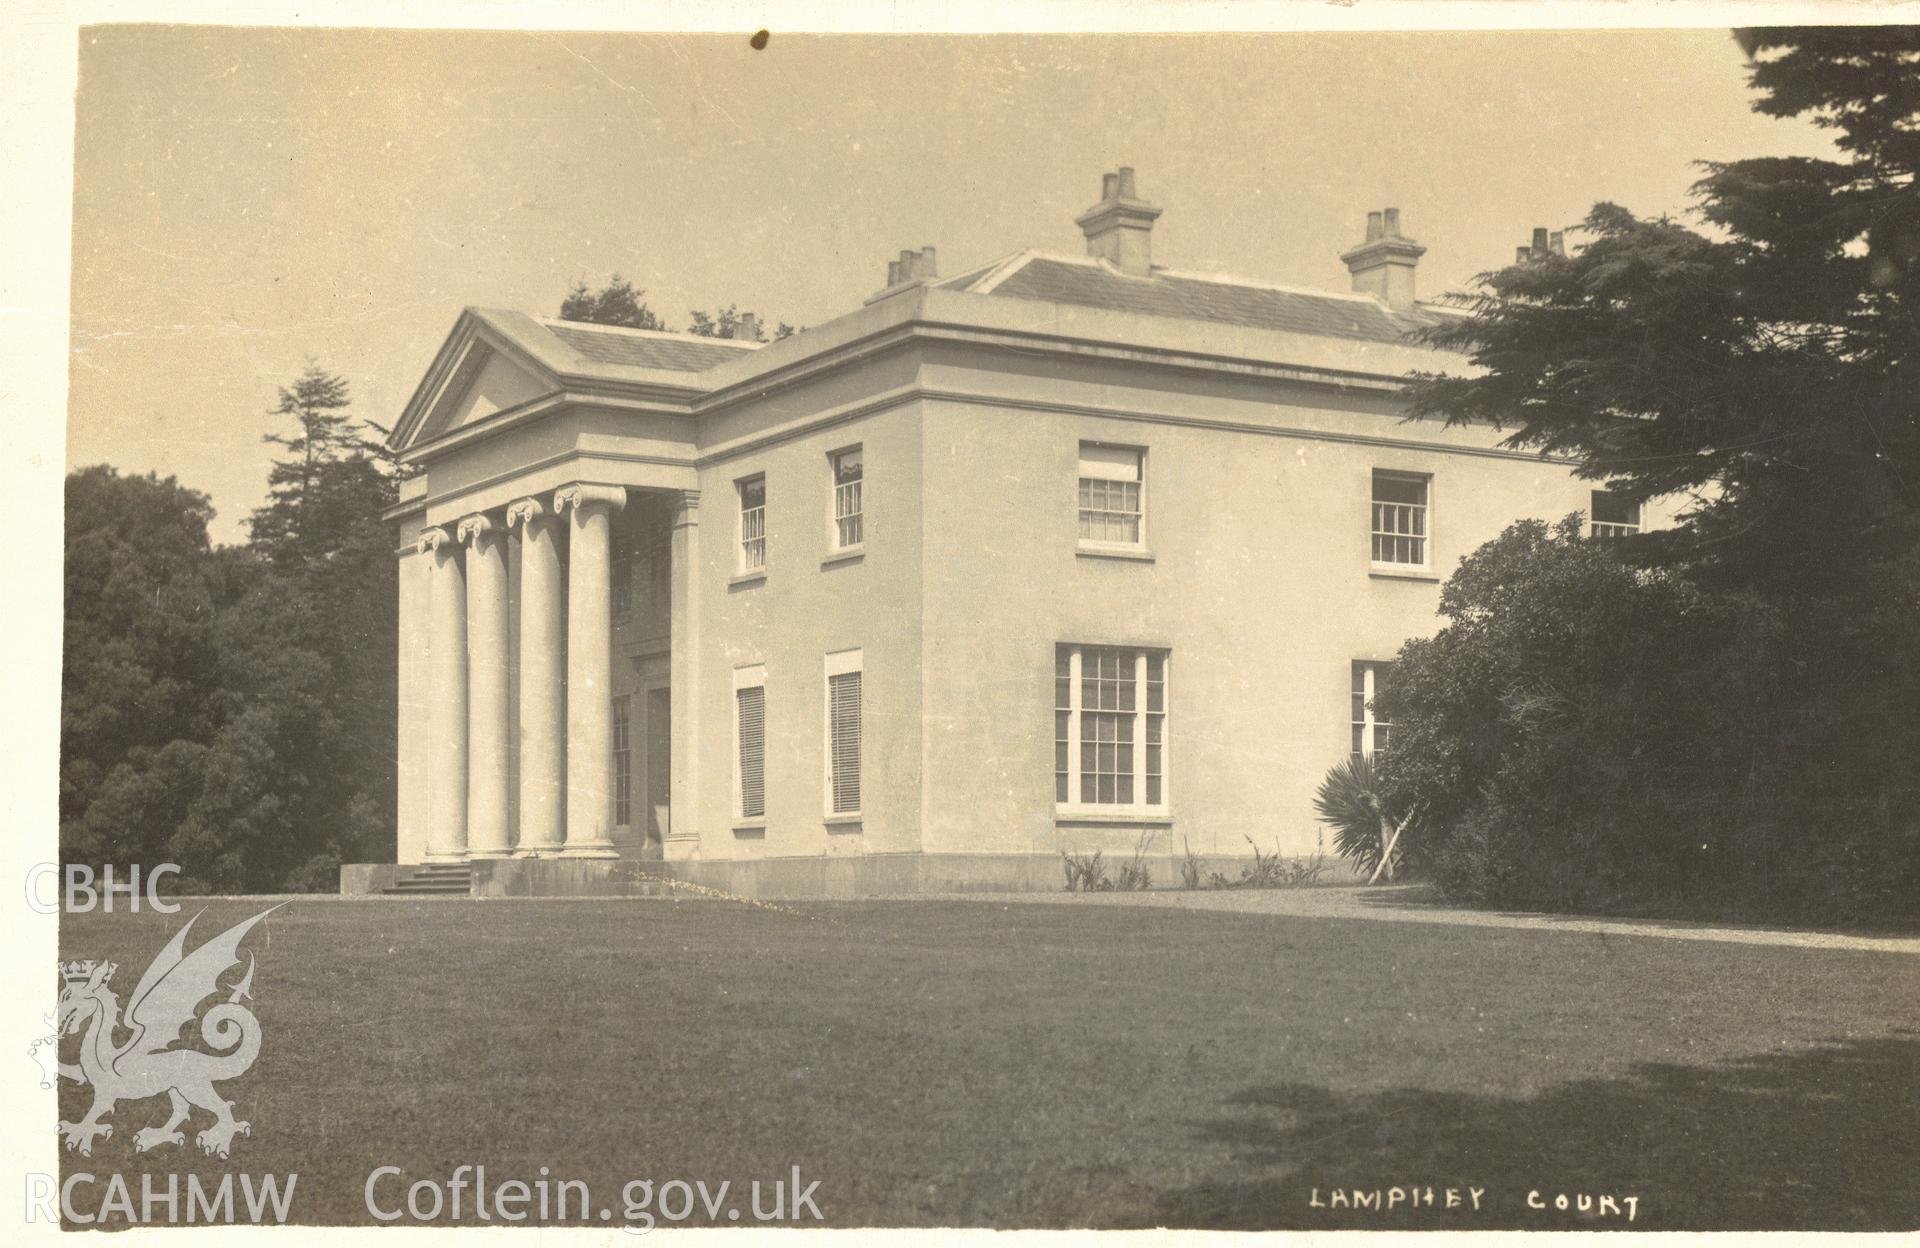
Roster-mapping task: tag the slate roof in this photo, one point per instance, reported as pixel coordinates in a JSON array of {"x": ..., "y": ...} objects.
[
  {"x": 1199, "y": 298},
  {"x": 643, "y": 349}
]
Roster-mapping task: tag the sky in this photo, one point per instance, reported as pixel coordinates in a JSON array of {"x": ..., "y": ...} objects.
[{"x": 248, "y": 200}]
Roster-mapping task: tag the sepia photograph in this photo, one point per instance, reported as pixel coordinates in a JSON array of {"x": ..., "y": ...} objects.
[{"x": 1084, "y": 628}]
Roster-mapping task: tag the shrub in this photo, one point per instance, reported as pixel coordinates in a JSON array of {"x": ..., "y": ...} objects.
[
  {"x": 1086, "y": 873},
  {"x": 1273, "y": 870},
  {"x": 1584, "y": 734},
  {"x": 1134, "y": 876},
  {"x": 1351, "y": 802},
  {"x": 1189, "y": 867}
]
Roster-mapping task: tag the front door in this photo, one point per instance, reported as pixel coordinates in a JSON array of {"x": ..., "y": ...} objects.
[{"x": 659, "y": 764}]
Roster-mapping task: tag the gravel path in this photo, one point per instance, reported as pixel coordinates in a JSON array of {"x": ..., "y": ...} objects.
[{"x": 1408, "y": 904}]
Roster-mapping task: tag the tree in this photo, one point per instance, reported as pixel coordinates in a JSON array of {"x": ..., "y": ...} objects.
[
  {"x": 307, "y": 654},
  {"x": 1861, "y": 82},
  {"x": 616, "y": 303},
  {"x": 726, "y": 322},
  {"x": 231, "y": 710},
  {"x": 317, "y": 495},
  {"x": 723, "y": 323},
  {"x": 1365, "y": 831},
  {"x": 1585, "y": 734},
  {"x": 1768, "y": 375},
  {"x": 139, "y": 663}
]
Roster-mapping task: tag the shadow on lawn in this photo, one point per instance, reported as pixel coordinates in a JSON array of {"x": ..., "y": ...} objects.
[
  {"x": 1426, "y": 896},
  {"x": 1824, "y": 1139}
]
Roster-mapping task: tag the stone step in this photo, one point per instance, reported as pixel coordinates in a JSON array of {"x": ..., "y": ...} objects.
[{"x": 449, "y": 879}]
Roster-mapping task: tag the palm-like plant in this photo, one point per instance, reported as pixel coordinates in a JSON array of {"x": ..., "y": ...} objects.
[{"x": 1364, "y": 831}]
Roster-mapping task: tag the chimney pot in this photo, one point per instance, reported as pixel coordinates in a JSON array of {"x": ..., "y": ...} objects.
[
  {"x": 1392, "y": 223},
  {"x": 1557, "y": 243},
  {"x": 1126, "y": 182},
  {"x": 893, "y": 272},
  {"x": 1108, "y": 184},
  {"x": 1540, "y": 241},
  {"x": 928, "y": 267},
  {"x": 748, "y": 328},
  {"x": 1522, "y": 254},
  {"x": 1374, "y": 226}
]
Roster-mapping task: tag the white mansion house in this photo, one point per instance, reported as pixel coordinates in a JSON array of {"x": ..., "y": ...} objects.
[{"x": 1062, "y": 552}]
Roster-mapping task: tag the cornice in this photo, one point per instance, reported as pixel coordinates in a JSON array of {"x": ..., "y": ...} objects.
[
  {"x": 896, "y": 336},
  {"x": 911, "y": 394},
  {"x": 692, "y": 402},
  {"x": 1243, "y": 426}
]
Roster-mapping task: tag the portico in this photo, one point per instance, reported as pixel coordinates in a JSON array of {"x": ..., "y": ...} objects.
[
  {"x": 548, "y": 565},
  {"x": 519, "y": 651}
]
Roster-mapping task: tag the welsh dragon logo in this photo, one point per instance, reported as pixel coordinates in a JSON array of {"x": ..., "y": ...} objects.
[{"x": 164, "y": 1003}]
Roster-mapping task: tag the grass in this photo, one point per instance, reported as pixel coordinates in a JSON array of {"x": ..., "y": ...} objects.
[{"x": 963, "y": 1063}]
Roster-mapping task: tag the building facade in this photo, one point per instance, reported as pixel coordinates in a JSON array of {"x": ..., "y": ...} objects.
[{"x": 1062, "y": 553}]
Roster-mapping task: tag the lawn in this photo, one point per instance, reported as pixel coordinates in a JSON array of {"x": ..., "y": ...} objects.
[{"x": 964, "y": 1063}]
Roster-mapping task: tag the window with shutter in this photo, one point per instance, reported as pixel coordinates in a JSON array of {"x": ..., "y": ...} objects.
[
  {"x": 751, "y": 707},
  {"x": 843, "y": 733}
]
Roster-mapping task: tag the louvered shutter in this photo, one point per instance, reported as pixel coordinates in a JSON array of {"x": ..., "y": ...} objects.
[
  {"x": 843, "y": 713},
  {"x": 752, "y": 706}
]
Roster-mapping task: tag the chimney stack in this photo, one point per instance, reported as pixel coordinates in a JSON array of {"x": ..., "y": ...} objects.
[
  {"x": 912, "y": 268},
  {"x": 1119, "y": 228},
  {"x": 1383, "y": 265},
  {"x": 1545, "y": 243}
]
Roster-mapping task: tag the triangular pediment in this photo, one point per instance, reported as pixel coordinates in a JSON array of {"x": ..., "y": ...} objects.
[
  {"x": 477, "y": 374},
  {"x": 493, "y": 383}
]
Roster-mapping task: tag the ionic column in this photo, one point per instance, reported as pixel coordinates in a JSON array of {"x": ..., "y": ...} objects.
[
  {"x": 413, "y": 799},
  {"x": 684, "y": 657},
  {"x": 487, "y": 660},
  {"x": 589, "y": 667},
  {"x": 542, "y": 669},
  {"x": 447, "y": 696}
]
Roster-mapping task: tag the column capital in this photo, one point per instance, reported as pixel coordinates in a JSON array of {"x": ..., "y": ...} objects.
[
  {"x": 524, "y": 511},
  {"x": 686, "y": 507},
  {"x": 433, "y": 539},
  {"x": 580, "y": 494},
  {"x": 474, "y": 528}
]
